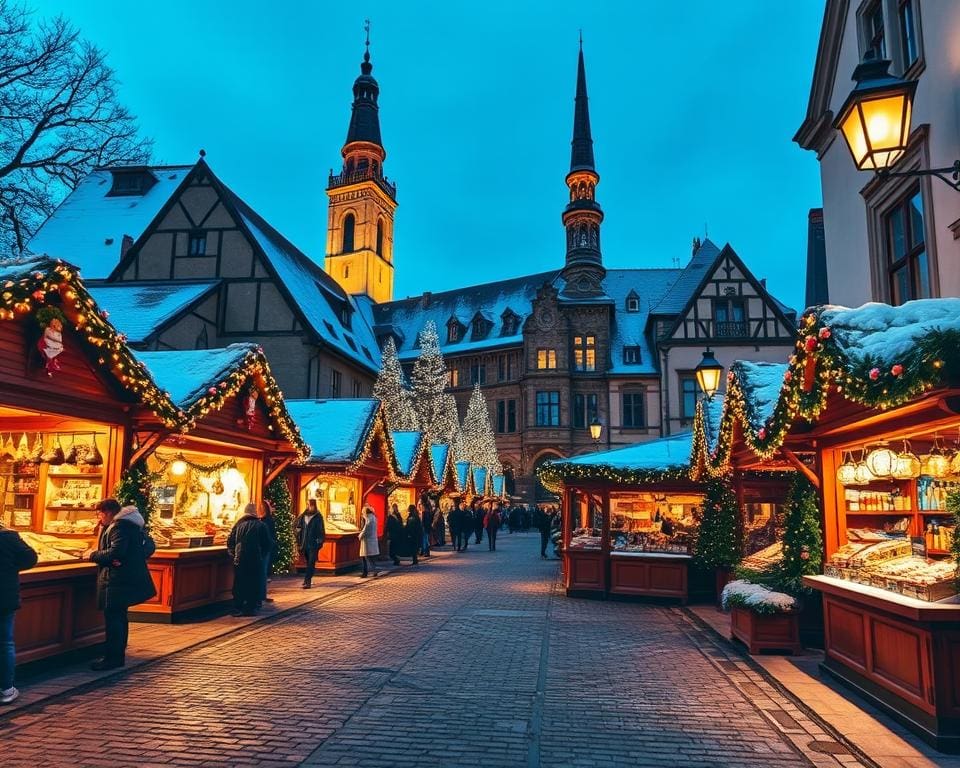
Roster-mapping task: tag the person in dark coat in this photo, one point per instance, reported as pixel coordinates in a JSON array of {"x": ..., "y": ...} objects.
[
  {"x": 476, "y": 513},
  {"x": 266, "y": 516},
  {"x": 543, "y": 524},
  {"x": 413, "y": 532},
  {"x": 439, "y": 528},
  {"x": 248, "y": 544},
  {"x": 122, "y": 576},
  {"x": 492, "y": 523},
  {"x": 427, "y": 520},
  {"x": 15, "y": 556},
  {"x": 309, "y": 533},
  {"x": 395, "y": 534},
  {"x": 460, "y": 526}
]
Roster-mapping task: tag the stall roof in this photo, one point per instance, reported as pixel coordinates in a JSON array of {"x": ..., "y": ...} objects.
[
  {"x": 464, "y": 477},
  {"x": 498, "y": 485},
  {"x": 667, "y": 453},
  {"x": 198, "y": 380},
  {"x": 480, "y": 480},
  {"x": 440, "y": 455},
  {"x": 139, "y": 310},
  {"x": 408, "y": 447},
  {"x": 337, "y": 430}
]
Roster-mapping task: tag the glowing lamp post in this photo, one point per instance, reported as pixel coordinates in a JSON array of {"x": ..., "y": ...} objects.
[
  {"x": 708, "y": 373},
  {"x": 875, "y": 121},
  {"x": 596, "y": 429}
]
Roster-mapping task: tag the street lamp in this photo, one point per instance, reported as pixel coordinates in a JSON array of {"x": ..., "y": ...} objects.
[
  {"x": 596, "y": 429},
  {"x": 875, "y": 121},
  {"x": 708, "y": 373}
]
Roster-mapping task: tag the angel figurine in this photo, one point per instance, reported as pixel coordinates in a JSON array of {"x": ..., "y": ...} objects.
[
  {"x": 249, "y": 408},
  {"x": 51, "y": 345}
]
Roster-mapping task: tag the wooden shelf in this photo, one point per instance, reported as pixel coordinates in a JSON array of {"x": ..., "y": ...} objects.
[
  {"x": 72, "y": 475},
  {"x": 897, "y": 513}
]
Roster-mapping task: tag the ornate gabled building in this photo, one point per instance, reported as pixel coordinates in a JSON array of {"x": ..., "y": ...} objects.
[{"x": 184, "y": 263}]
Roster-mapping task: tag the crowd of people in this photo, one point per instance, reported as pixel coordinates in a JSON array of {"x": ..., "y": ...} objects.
[{"x": 124, "y": 546}]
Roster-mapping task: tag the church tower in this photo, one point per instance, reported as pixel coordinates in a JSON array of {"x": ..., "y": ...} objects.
[
  {"x": 583, "y": 271},
  {"x": 362, "y": 200}
]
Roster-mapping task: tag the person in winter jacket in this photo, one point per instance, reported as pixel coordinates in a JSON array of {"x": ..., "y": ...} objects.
[
  {"x": 413, "y": 531},
  {"x": 15, "y": 556},
  {"x": 476, "y": 514},
  {"x": 491, "y": 522},
  {"x": 265, "y": 513},
  {"x": 122, "y": 576},
  {"x": 426, "y": 518},
  {"x": 369, "y": 546},
  {"x": 309, "y": 532},
  {"x": 395, "y": 534},
  {"x": 249, "y": 545}
]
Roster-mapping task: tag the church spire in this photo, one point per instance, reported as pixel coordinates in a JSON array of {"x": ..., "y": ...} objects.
[
  {"x": 364, "y": 118},
  {"x": 581, "y": 153},
  {"x": 584, "y": 270}
]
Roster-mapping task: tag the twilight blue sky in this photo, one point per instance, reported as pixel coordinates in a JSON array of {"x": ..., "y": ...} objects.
[{"x": 693, "y": 106}]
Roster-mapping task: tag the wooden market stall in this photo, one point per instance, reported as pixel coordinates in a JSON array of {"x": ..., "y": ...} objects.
[
  {"x": 68, "y": 386},
  {"x": 236, "y": 436},
  {"x": 627, "y": 518},
  {"x": 415, "y": 470},
  {"x": 874, "y": 395},
  {"x": 351, "y": 463}
]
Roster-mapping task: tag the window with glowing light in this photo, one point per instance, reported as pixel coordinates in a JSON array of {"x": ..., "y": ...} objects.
[
  {"x": 336, "y": 497},
  {"x": 546, "y": 359},
  {"x": 585, "y": 353}
]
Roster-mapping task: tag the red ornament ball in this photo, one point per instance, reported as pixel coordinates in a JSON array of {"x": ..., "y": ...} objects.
[
  {"x": 897, "y": 369},
  {"x": 788, "y": 376},
  {"x": 824, "y": 333},
  {"x": 762, "y": 434},
  {"x": 874, "y": 374},
  {"x": 810, "y": 343},
  {"x": 804, "y": 555}
]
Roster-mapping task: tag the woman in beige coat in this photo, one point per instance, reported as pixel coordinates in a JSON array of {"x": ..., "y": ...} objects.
[{"x": 369, "y": 548}]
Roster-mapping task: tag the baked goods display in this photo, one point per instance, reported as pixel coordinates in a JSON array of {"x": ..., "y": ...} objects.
[
  {"x": 653, "y": 540},
  {"x": 887, "y": 563},
  {"x": 51, "y": 550},
  {"x": 765, "y": 559},
  {"x": 585, "y": 538}
]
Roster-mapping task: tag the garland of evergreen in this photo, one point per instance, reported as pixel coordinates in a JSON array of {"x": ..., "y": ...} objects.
[
  {"x": 802, "y": 538},
  {"x": 717, "y": 542},
  {"x": 135, "y": 487},
  {"x": 953, "y": 506},
  {"x": 278, "y": 494}
]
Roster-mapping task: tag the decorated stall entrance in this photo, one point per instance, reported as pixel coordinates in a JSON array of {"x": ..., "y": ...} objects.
[
  {"x": 237, "y": 436},
  {"x": 628, "y": 519},
  {"x": 351, "y": 464},
  {"x": 68, "y": 384},
  {"x": 416, "y": 474}
]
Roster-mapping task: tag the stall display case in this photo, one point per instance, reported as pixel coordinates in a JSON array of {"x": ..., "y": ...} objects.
[{"x": 336, "y": 497}]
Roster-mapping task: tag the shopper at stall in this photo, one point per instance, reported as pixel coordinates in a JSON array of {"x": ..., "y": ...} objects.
[
  {"x": 249, "y": 545},
  {"x": 266, "y": 515},
  {"x": 309, "y": 532},
  {"x": 543, "y": 523},
  {"x": 15, "y": 556},
  {"x": 492, "y": 523},
  {"x": 122, "y": 576},
  {"x": 460, "y": 526},
  {"x": 369, "y": 548},
  {"x": 413, "y": 532},
  {"x": 426, "y": 517},
  {"x": 395, "y": 538},
  {"x": 439, "y": 528},
  {"x": 476, "y": 513}
]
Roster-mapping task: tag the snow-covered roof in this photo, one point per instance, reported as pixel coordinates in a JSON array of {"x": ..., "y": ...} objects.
[
  {"x": 688, "y": 280},
  {"x": 406, "y": 446},
  {"x": 408, "y": 316},
  {"x": 337, "y": 430},
  {"x": 629, "y": 328},
  {"x": 712, "y": 414},
  {"x": 886, "y": 334},
  {"x": 440, "y": 455},
  {"x": 188, "y": 374},
  {"x": 87, "y": 228},
  {"x": 760, "y": 384},
  {"x": 664, "y": 454},
  {"x": 318, "y": 295},
  {"x": 138, "y": 310}
]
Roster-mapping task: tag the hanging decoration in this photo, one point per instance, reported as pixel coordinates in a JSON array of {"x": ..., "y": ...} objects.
[
  {"x": 846, "y": 472},
  {"x": 178, "y": 464},
  {"x": 93, "y": 456},
  {"x": 36, "y": 452},
  {"x": 907, "y": 466},
  {"x": 55, "y": 457},
  {"x": 248, "y": 405},
  {"x": 50, "y": 346}
]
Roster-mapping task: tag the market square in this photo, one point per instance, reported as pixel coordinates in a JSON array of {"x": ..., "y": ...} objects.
[{"x": 531, "y": 470}]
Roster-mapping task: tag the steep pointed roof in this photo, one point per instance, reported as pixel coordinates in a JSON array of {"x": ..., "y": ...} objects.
[
  {"x": 364, "y": 116},
  {"x": 581, "y": 153}
]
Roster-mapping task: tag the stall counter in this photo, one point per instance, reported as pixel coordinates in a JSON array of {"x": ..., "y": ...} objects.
[{"x": 186, "y": 580}]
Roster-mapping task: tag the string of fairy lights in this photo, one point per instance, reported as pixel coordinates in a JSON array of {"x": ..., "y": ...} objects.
[
  {"x": 46, "y": 286},
  {"x": 821, "y": 365}
]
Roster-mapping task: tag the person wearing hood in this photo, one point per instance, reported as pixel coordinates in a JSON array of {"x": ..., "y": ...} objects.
[
  {"x": 15, "y": 556},
  {"x": 249, "y": 544},
  {"x": 122, "y": 576}
]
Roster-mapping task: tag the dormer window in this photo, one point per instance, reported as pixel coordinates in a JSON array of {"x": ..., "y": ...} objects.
[
  {"x": 631, "y": 356},
  {"x": 633, "y": 303},
  {"x": 131, "y": 181},
  {"x": 345, "y": 317},
  {"x": 454, "y": 330},
  {"x": 481, "y": 327},
  {"x": 509, "y": 323}
]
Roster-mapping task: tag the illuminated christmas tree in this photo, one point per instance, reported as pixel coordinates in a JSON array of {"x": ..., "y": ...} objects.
[
  {"x": 717, "y": 544},
  {"x": 802, "y": 537},
  {"x": 480, "y": 445},
  {"x": 390, "y": 389}
]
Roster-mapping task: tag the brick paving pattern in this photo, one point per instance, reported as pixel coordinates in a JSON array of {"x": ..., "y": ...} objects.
[{"x": 472, "y": 659}]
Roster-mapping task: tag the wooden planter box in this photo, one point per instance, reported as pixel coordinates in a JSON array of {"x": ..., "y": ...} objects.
[{"x": 761, "y": 632}]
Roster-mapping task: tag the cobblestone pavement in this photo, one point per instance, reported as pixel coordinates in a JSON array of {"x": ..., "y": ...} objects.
[{"x": 470, "y": 659}]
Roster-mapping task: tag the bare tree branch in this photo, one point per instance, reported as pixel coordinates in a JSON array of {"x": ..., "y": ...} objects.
[{"x": 59, "y": 119}]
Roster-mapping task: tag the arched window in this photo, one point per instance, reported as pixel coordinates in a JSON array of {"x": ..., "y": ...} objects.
[
  {"x": 380, "y": 237},
  {"x": 349, "y": 225}
]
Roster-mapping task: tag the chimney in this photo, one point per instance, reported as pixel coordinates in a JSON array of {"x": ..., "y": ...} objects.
[
  {"x": 696, "y": 246},
  {"x": 125, "y": 244},
  {"x": 425, "y": 299},
  {"x": 763, "y": 282}
]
